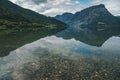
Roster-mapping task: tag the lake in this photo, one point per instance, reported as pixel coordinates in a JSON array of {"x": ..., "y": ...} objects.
[{"x": 55, "y": 58}]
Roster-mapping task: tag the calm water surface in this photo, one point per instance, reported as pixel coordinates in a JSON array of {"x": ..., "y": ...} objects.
[{"x": 54, "y": 58}]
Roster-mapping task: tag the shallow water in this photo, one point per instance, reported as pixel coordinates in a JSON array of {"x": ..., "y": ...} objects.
[{"x": 54, "y": 58}]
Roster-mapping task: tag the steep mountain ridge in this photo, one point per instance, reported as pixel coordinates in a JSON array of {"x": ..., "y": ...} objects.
[
  {"x": 66, "y": 17},
  {"x": 13, "y": 12},
  {"x": 93, "y": 25},
  {"x": 91, "y": 17},
  {"x": 19, "y": 26}
]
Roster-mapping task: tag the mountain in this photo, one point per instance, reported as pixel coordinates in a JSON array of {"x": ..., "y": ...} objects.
[
  {"x": 19, "y": 26},
  {"x": 95, "y": 17},
  {"x": 66, "y": 17},
  {"x": 118, "y": 16},
  {"x": 93, "y": 25},
  {"x": 14, "y": 13}
]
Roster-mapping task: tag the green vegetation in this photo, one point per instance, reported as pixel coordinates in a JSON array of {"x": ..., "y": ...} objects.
[
  {"x": 17, "y": 34},
  {"x": 10, "y": 39},
  {"x": 102, "y": 23},
  {"x": 101, "y": 26},
  {"x": 19, "y": 26}
]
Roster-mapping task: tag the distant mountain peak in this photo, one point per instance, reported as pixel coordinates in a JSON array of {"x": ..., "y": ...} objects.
[
  {"x": 86, "y": 16},
  {"x": 66, "y": 17},
  {"x": 67, "y": 13},
  {"x": 93, "y": 24},
  {"x": 102, "y": 5},
  {"x": 90, "y": 18},
  {"x": 91, "y": 14},
  {"x": 98, "y": 6}
]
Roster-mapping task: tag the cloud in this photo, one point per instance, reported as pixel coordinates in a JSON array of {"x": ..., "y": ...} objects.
[
  {"x": 56, "y": 7},
  {"x": 50, "y": 7},
  {"x": 112, "y": 5},
  {"x": 39, "y": 1}
]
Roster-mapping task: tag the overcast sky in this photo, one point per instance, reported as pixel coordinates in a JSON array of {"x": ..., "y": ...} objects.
[{"x": 56, "y": 7}]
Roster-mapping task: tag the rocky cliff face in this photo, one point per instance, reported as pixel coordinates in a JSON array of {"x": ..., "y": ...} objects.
[
  {"x": 95, "y": 17},
  {"x": 92, "y": 25},
  {"x": 66, "y": 17},
  {"x": 90, "y": 15}
]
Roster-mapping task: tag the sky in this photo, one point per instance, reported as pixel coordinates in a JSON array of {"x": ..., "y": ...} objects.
[{"x": 58, "y": 7}]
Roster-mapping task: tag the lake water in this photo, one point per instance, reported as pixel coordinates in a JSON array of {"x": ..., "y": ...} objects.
[{"x": 54, "y": 58}]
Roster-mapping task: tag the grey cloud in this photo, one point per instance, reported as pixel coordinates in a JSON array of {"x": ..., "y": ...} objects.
[
  {"x": 43, "y": 9},
  {"x": 50, "y": 7},
  {"x": 56, "y": 7},
  {"x": 39, "y": 1}
]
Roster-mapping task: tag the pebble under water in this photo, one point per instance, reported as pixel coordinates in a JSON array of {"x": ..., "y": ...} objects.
[{"x": 54, "y": 58}]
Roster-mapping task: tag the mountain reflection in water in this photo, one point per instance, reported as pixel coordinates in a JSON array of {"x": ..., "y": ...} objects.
[{"x": 53, "y": 58}]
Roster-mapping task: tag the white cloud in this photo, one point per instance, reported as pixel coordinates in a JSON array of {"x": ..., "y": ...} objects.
[
  {"x": 112, "y": 5},
  {"x": 55, "y": 7},
  {"x": 51, "y": 7}
]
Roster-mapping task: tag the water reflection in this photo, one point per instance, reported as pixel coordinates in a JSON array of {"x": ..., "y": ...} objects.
[
  {"x": 56, "y": 58},
  {"x": 95, "y": 38}
]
